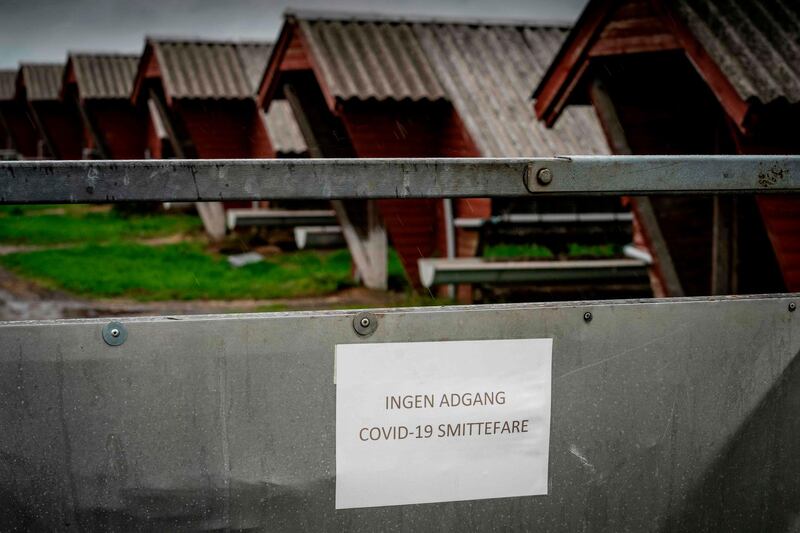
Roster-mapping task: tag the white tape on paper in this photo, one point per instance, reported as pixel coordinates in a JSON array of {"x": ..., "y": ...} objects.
[{"x": 424, "y": 422}]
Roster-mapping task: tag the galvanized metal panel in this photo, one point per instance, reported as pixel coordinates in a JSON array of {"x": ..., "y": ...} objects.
[
  {"x": 256, "y": 179},
  {"x": 666, "y": 414}
]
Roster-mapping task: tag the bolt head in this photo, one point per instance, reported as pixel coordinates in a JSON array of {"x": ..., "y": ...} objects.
[
  {"x": 365, "y": 323},
  {"x": 792, "y": 306},
  {"x": 544, "y": 176},
  {"x": 587, "y": 316},
  {"x": 114, "y": 333}
]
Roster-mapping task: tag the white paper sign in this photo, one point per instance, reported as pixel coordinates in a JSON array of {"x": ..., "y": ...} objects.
[{"x": 423, "y": 422}]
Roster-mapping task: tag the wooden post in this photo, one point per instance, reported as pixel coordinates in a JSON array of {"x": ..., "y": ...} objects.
[
  {"x": 159, "y": 111},
  {"x": 88, "y": 124},
  {"x": 361, "y": 223},
  {"x": 723, "y": 246},
  {"x": 211, "y": 213},
  {"x": 667, "y": 282},
  {"x": 44, "y": 139},
  {"x": 9, "y": 141}
]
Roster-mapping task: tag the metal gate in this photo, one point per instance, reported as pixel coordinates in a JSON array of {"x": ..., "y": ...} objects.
[{"x": 671, "y": 414}]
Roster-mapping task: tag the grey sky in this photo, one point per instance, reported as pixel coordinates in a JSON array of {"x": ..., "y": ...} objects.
[{"x": 44, "y": 30}]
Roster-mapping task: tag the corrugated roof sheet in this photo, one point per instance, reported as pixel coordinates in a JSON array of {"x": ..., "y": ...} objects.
[
  {"x": 373, "y": 59},
  {"x": 225, "y": 70},
  {"x": 42, "y": 80},
  {"x": 283, "y": 129},
  {"x": 254, "y": 57},
  {"x": 202, "y": 69},
  {"x": 104, "y": 76},
  {"x": 756, "y": 44},
  {"x": 8, "y": 80},
  {"x": 487, "y": 71}
]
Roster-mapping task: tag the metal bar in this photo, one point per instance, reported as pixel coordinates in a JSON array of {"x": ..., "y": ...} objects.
[
  {"x": 256, "y": 179},
  {"x": 318, "y": 236},
  {"x": 542, "y": 218},
  {"x": 673, "y": 414},
  {"x": 243, "y": 218},
  {"x": 473, "y": 270}
]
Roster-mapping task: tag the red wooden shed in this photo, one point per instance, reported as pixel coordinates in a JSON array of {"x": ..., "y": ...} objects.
[
  {"x": 203, "y": 93},
  {"x": 21, "y": 133},
  {"x": 701, "y": 77},
  {"x": 372, "y": 87},
  {"x": 199, "y": 96},
  {"x": 98, "y": 86},
  {"x": 58, "y": 124},
  {"x": 6, "y": 93}
]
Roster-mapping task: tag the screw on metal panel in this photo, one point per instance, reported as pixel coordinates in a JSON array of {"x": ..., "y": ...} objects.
[
  {"x": 114, "y": 333},
  {"x": 792, "y": 307},
  {"x": 544, "y": 176},
  {"x": 587, "y": 316},
  {"x": 365, "y": 323}
]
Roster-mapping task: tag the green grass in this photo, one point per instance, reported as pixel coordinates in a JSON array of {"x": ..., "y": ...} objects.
[
  {"x": 180, "y": 271},
  {"x": 518, "y": 251},
  {"x": 79, "y": 225},
  {"x": 536, "y": 251},
  {"x": 595, "y": 251},
  {"x": 184, "y": 272}
]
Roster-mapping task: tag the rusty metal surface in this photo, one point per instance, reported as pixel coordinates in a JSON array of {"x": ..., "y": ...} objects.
[
  {"x": 331, "y": 179},
  {"x": 42, "y": 81},
  {"x": 675, "y": 414},
  {"x": 104, "y": 76},
  {"x": 756, "y": 44}
]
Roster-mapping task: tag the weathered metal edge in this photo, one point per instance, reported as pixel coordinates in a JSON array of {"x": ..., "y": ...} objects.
[
  {"x": 582, "y": 304},
  {"x": 254, "y": 179}
]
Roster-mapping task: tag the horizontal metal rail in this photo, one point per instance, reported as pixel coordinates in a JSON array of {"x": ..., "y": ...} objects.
[
  {"x": 318, "y": 236},
  {"x": 273, "y": 218},
  {"x": 253, "y": 179},
  {"x": 474, "y": 270},
  {"x": 542, "y": 218}
]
